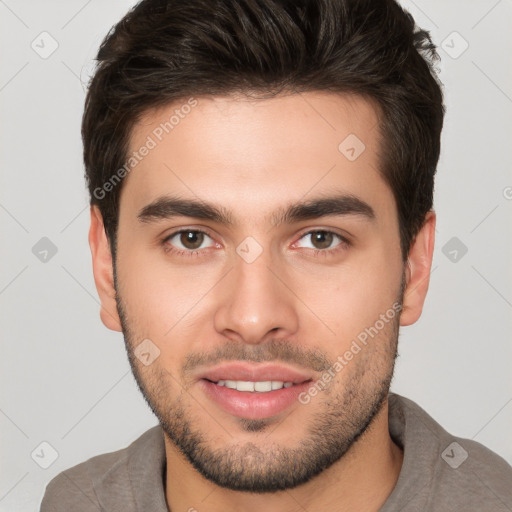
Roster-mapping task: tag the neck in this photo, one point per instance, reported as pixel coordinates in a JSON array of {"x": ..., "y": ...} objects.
[{"x": 361, "y": 480}]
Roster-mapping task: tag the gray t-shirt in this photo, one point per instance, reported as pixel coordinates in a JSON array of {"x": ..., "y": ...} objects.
[{"x": 440, "y": 472}]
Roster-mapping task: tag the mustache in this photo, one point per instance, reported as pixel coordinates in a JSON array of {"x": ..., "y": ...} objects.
[{"x": 274, "y": 350}]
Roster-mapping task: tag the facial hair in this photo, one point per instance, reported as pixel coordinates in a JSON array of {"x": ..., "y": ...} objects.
[{"x": 347, "y": 412}]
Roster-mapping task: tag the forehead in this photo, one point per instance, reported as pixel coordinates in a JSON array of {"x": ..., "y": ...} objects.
[{"x": 257, "y": 153}]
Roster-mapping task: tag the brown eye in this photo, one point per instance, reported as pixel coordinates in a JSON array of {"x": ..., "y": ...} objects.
[
  {"x": 188, "y": 240},
  {"x": 322, "y": 239},
  {"x": 191, "y": 239}
]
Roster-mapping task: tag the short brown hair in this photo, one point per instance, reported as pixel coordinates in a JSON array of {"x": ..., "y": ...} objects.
[{"x": 166, "y": 50}]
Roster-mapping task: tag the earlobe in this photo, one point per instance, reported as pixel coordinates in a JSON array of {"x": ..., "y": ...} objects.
[
  {"x": 103, "y": 271},
  {"x": 418, "y": 271}
]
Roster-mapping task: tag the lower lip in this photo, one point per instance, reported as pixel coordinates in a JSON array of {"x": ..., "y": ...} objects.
[{"x": 253, "y": 405}]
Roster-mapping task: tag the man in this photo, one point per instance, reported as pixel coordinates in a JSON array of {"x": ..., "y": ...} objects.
[{"x": 261, "y": 176}]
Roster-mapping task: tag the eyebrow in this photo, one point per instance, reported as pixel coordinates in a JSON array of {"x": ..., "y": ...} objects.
[{"x": 168, "y": 207}]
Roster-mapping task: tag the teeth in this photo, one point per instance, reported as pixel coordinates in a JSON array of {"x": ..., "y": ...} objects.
[
  {"x": 259, "y": 386},
  {"x": 242, "y": 385},
  {"x": 263, "y": 386}
]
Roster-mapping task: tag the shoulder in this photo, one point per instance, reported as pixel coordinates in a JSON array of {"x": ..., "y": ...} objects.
[
  {"x": 449, "y": 471},
  {"x": 77, "y": 488},
  {"x": 471, "y": 474}
]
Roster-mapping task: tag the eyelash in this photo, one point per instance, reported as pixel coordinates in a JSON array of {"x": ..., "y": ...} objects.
[{"x": 343, "y": 245}]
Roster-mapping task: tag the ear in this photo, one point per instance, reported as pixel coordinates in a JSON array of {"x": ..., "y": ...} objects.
[
  {"x": 418, "y": 271},
  {"x": 103, "y": 271}
]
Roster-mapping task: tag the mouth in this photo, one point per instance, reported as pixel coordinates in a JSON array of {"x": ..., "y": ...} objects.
[
  {"x": 253, "y": 391},
  {"x": 263, "y": 386}
]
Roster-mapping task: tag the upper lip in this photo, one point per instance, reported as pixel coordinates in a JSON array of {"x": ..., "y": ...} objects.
[{"x": 254, "y": 373}]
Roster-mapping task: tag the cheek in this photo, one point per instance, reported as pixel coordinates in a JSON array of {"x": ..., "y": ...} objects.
[
  {"x": 170, "y": 305},
  {"x": 149, "y": 285},
  {"x": 352, "y": 297}
]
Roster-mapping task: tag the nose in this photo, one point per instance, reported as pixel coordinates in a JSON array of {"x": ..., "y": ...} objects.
[{"x": 256, "y": 303}]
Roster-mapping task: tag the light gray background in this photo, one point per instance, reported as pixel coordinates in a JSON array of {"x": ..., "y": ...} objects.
[{"x": 65, "y": 379}]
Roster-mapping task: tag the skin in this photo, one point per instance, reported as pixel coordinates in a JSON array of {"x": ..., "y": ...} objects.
[{"x": 254, "y": 157}]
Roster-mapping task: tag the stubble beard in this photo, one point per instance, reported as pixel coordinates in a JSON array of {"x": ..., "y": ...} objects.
[{"x": 347, "y": 413}]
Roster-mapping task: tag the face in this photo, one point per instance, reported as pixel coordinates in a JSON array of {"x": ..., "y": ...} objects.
[{"x": 258, "y": 251}]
